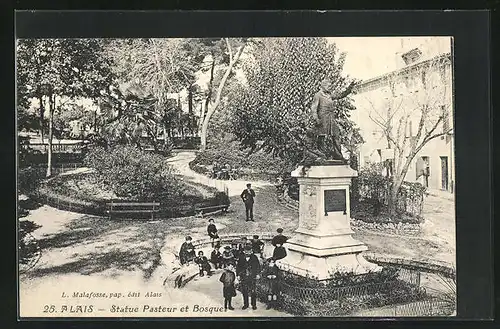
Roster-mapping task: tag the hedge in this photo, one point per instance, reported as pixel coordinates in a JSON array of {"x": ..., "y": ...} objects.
[{"x": 58, "y": 198}]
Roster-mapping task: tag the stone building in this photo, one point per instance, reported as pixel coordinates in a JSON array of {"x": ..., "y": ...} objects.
[{"x": 390, "y": 108}]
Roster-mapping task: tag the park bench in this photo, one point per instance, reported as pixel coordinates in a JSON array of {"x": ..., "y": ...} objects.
[
  {"x": 150, "y": 208},
  {"x": 202, "y": 210}
]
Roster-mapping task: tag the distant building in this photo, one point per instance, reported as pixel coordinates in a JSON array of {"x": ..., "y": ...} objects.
[{"x": 381, "y": 98}]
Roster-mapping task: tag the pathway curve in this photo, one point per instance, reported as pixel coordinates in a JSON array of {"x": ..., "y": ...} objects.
[{"x": 181, "y": 163}]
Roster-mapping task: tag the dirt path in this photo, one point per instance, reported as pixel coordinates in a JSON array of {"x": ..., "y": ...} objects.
[{"x": 89, "y": 253}]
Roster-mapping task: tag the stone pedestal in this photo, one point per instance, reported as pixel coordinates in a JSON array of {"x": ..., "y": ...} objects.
[{"x": 323, "y": 242}]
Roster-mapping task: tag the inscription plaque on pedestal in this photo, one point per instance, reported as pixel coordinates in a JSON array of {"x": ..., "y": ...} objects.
[{"x": 335, "y": 200}]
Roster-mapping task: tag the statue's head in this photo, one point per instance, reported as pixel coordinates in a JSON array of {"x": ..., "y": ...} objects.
[{"x": 326, "y": 84}]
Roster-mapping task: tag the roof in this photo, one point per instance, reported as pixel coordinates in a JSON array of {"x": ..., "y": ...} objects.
[{"x": 403, "y": 71}]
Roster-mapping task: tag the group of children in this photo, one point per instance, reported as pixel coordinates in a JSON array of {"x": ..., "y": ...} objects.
[
  {"x": 231, "y": 260},
  {"x": 236, "y": 259}
]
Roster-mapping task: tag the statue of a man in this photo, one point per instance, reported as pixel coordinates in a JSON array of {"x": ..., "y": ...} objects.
[{"x": 328, "y": 131}]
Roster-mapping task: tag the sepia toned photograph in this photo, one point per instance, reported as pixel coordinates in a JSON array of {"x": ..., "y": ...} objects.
[{"x": 236, "y": 177}]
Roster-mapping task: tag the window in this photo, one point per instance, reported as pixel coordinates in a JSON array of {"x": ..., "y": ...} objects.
[{"x": 412, "y": 56}]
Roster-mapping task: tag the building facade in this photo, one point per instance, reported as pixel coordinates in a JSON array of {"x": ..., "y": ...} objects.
[{"x": 389, "y": 111}]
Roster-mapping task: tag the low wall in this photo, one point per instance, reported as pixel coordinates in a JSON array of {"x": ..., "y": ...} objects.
[{"x": 45, "y": 195}]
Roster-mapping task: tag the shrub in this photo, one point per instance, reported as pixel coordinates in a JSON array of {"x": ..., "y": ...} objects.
[
  {"x": 369, "y": 195},
  {"x": 135, "y": 175},
  {"x": 227, "y": 151},
  {"x": 28, "y": 179},
  {"x": 369, "y": 199}
]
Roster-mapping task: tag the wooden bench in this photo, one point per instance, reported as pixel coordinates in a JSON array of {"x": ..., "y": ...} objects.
[
  {"x": 200, "y": 210},
  {"x": 133, "y": 208}
]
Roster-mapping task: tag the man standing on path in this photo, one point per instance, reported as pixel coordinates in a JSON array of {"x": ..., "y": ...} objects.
[
  {"x": 247, "y": 271},
  {"x": 248, "y": 196}
]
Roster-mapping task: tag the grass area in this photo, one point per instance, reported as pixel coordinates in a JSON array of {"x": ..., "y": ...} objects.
[{"x": 87, "y": 187}]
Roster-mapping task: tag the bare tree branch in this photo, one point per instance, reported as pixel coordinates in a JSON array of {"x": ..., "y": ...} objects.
[{"x": 429, "y": 133}]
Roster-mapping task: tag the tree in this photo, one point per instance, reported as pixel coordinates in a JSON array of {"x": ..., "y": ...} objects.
[
  {"x": 273, "y": 112},
  {"x": 234, "y": 49},
  {"x": 158, "y": 67},
  {"x": 60, "y": 69},
  {"x": 127, "y": 111},
  {"x": 416, "y": 111}
]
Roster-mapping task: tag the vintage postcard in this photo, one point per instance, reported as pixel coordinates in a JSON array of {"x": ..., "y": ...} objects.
[{"x": 236, "y": 177}]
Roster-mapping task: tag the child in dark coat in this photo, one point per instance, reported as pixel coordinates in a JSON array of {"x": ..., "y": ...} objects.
[
  {"x": 228, "y": 279},
  {"x": 203, "y": 264},
  {"x": 212, "y": 231},
  {"x": 257, "y": 246},
  {"x": 271, "y": 274},
  {"x": 216, "y": 258},
  {"x": 187, "y": 253},
  {"x": 227, "y": 256},
  {"x": 235, "y": 250}
]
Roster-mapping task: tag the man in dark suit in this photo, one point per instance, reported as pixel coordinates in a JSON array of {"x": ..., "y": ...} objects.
[
  {"x": 248, "y": 196},
  {"x": 248, "y": 272}
]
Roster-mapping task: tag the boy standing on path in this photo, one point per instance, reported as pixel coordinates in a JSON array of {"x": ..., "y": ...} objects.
[
  {"x": 271, "y": 273},
  {"x": 228, "y": 279},
  {"x": 248, "y": 196}
]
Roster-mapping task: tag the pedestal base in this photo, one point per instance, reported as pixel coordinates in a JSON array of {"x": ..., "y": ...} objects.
[
  {"x": 323, "y": 243},
  {"x": 321, "y": 268}
]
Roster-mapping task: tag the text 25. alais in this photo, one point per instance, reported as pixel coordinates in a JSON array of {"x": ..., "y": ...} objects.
[{"x": 69, "y": 309}]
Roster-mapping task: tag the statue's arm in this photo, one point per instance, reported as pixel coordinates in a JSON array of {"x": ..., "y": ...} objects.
[{"x": 345, "y": 92}]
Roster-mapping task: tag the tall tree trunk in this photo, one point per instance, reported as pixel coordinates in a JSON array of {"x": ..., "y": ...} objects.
[
  {"x": 397, "y": 181},
  {"x": 95, "y": 122},
  {"x": 190, "y": 100},
  {"x": 210, "y": 89},
  {"x": 42, "y": 110},
  {"x": 51, "y": 133},
  {"x": 213, "y": 106},
  {"x": 165, "y": 135}
]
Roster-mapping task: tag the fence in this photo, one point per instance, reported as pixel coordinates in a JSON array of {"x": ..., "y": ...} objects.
[
  {"x": 58, "y": 148},
  {"x": 60, "y": 168},
  {"x": 399, "y": 294},
  {"x": 406, "y": 201},
  {"x": 340, "y": 301},
  {"x": 428, "y": 307}
]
